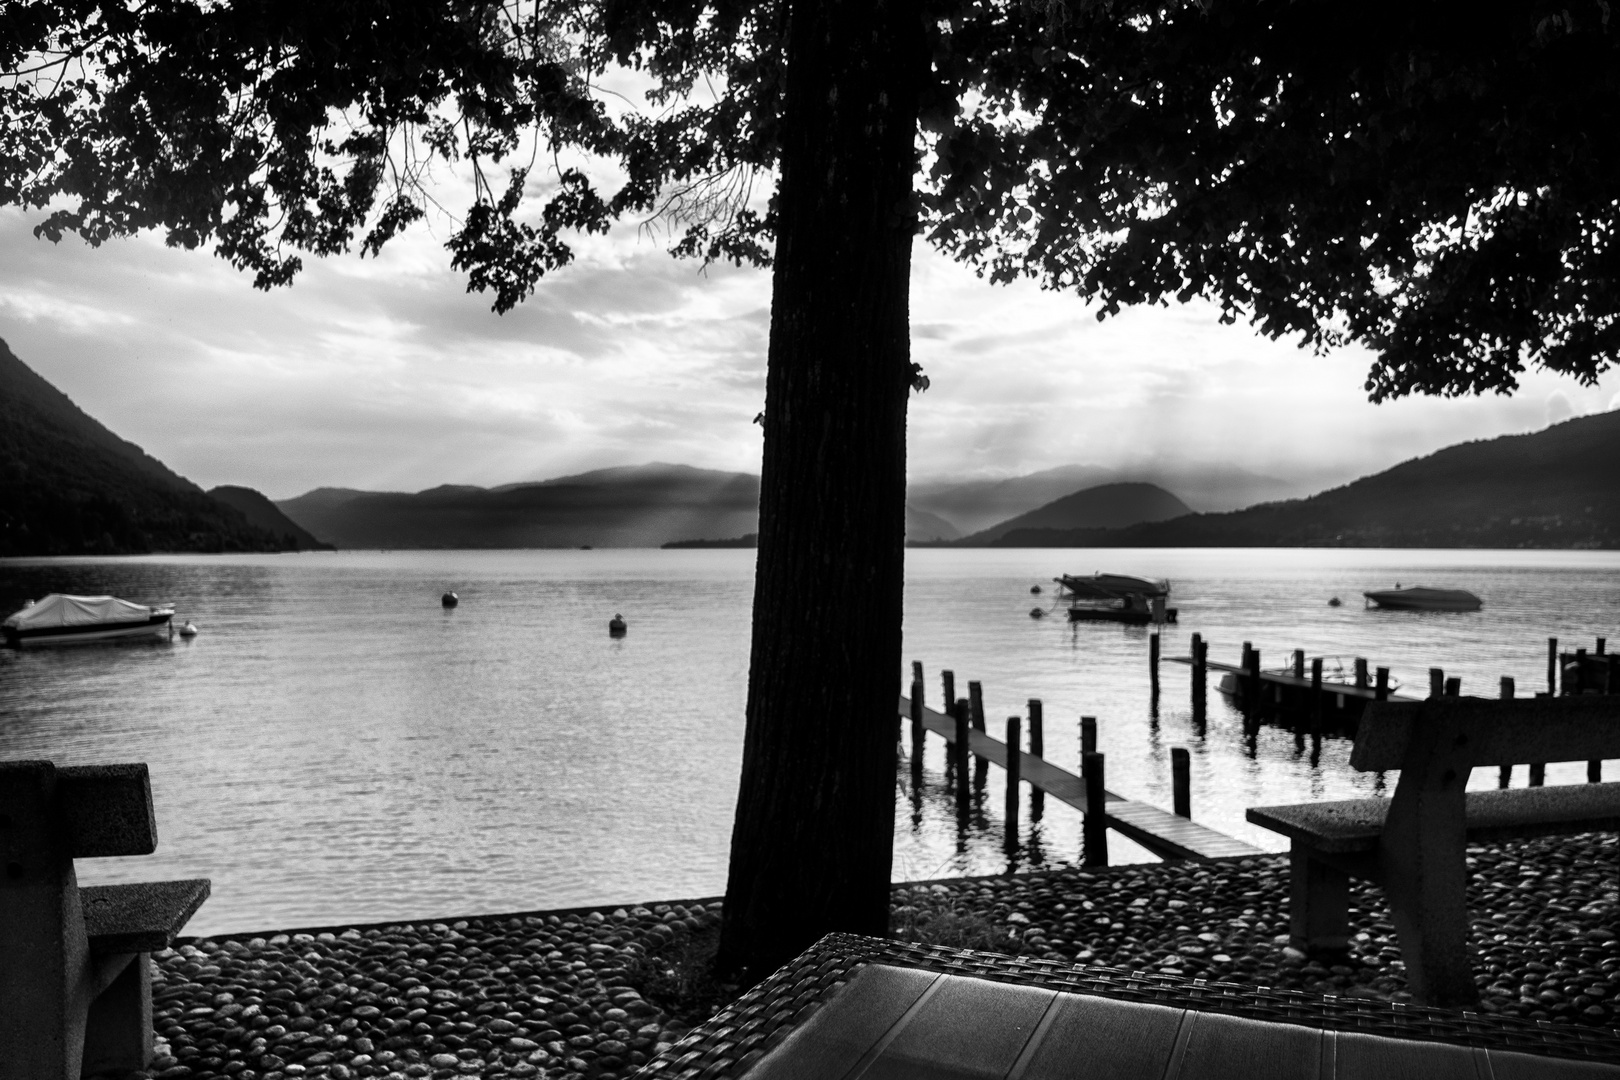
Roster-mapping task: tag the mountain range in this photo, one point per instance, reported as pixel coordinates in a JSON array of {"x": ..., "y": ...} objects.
[
  {"x": 1554, "y": 488},
  {"x": 69, "y": 486}
]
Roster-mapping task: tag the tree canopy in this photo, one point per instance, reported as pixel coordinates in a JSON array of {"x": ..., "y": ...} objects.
[{"x": 1421, "y": 178}]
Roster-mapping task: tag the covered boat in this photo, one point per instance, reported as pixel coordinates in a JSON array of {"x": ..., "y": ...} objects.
[
  {"x": 1418, "y": 598},
  {"x": 60, "y": 619},
  {"x": 1116, "y": 598}
]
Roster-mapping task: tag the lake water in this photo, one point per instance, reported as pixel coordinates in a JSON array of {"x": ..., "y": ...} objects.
[{"x": 333, "y": 747}]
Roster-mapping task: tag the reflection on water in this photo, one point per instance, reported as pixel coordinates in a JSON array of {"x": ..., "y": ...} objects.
[{"x": 335, "y": 746}]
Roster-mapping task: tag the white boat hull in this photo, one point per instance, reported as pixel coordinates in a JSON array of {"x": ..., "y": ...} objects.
[{"x": 157, "y": 626}]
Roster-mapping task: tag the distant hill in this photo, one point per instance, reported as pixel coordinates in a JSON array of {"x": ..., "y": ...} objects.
[
  {"x": 749, "y": 541},
  {"x": 261, "y": 512},
  {"x": 68, "y": 486},
  {"x": 1107, "y": 506},
  {"x": 635, "y": 506},
  {"x": 975, "y": 505},
  {"x": 920, "y": 527},
  {"x": 1550, "y": 489}
]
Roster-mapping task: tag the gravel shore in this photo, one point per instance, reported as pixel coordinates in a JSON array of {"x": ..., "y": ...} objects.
[{"x": 575, "y": 994}]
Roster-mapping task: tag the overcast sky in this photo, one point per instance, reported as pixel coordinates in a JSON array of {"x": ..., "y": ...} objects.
[{"x": 385, "y": 374}]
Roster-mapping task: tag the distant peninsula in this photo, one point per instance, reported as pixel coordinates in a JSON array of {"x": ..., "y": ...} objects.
[{"x": 749, "y": 541}]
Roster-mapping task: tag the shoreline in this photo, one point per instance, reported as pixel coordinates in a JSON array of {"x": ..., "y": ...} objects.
[{"x": 572, "y": 994}]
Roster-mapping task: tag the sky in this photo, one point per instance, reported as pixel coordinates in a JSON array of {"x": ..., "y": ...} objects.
[{"x": 385, "y": 374}]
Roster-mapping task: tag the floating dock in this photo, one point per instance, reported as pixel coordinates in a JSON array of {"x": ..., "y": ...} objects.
[{"x": 1165, "y": 834}]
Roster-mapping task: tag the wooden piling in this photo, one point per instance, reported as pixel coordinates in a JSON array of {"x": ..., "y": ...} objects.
[
  {"x": 981, "y": 767},
  {"x": 959, "y": 755},
  {"x": 1095, "y": 829},
  {"x": 1552, "y": 665},
  {"x": 1594, "y": 771},
  {"x": 1037, "y": 748},
  {"x": 1602, "y": 644},
  {"x": 1153, "y": 661},
  {"x": 1014, "y": 771},
  {"x": 1454, "y": 687},
  {"x": 1580, "y": 673},
  {"x": 1088, "y": 735},
  {"x": 1181, "y": 781},
  {"x": 917, "y": 672},
  {"x": 1199, "y": 674},
  {"x": 1316, "y": 691},
  {"x": 1381, "y": 685},
  {"x": 948, "y": 681},
  {"x": 1361, "y": 673},
  {"x": 1299, "y": 663},
  {"x": 1538, "y": 773},
  {"x": 918, "y": 732},
  {"x": 1251, "y": 681},
  {"x": 1504, "y": 773}
]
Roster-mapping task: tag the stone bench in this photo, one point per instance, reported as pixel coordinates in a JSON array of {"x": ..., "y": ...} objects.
[
  {"x": 1414, "y": 843},
  {"x": 75, "y": 984}
]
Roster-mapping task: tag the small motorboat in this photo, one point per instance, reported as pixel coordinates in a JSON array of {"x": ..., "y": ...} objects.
[
  {"x": 59, "y": 619},
  {"x": 1419, "y": 598}
]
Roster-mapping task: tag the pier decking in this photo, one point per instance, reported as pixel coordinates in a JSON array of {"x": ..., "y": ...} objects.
[{"x": 1161, "y": 832}]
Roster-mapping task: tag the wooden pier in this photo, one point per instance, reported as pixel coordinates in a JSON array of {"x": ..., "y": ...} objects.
[
  {"x": 1165, "y": 834},
  {"x": 1304, "y": 695}
]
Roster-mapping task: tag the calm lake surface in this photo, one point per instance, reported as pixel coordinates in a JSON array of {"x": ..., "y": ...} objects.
[{"x": 333, "y": 747}]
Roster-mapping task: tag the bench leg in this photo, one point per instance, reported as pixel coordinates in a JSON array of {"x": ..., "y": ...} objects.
[
  {"x": 118, "y": 1029},
  {"x": 1319, "y": 904}
]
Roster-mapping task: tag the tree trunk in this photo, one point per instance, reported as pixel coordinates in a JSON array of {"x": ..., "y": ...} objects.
[{"x": 813, "y": 839}]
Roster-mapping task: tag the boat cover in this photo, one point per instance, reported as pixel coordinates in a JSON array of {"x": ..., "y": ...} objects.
[
  {"x": 59, "y": 609},
  {"x": 1113, "y": 586}
]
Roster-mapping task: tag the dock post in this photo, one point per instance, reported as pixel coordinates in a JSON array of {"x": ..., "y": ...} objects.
[
  {"x": 1299, "y": 663},
  {"x": 1381, "y": 687},
  {"x": 948, "y": 679},
  {"x": 1361, "y": 673},
  {"x": 981, "y": 766},
  {"x": 1037, "y": 748},
  {"x": 1504, "y": 773},
  {"x": 1095, "y": 829},
  {"x": 1251, "y": 681},
  {"x": 1014, "y": 772},
  {"x": 1088, "y": 735},
  {"x": 1538, "y": 773},
  {"x": 1454, "y": 687},
  {"x": 1594, "y": 771},
  {"x": 1580, "y": 672},
  {"x": 959, "y": 755},
  {"x": 1316, "y": 692},
  {"x": 1198, "y": 679},
  {"x": 1181, "y": 781},
  {"x": 1153, "y": 661},
  {"x": 918, "y": 732},
  {"x": 1552, "y": 665},
  {"x": 1602, "y": 644},
  {"x": 1437, "y": 682},
  {"x": 916, "y": 672}
]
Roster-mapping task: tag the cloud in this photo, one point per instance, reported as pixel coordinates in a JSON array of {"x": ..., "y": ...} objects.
[
  {"x": 1559, "y": 408},
  {"x": 385, "y": 373}
]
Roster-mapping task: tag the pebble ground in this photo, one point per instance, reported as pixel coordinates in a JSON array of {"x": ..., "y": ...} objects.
[{"x": 567, "y": 996}]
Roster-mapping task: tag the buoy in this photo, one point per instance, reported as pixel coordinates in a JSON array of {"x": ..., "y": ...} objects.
[
  {"x": 616, "y": 626},
  {"x": 449, "y": 599},
  {"x": 1035, "y": 590},
  {"x": 1334, "y": 602},
  {"x": 1036, "y": 613},
  {"x": 189, "y": 630}
]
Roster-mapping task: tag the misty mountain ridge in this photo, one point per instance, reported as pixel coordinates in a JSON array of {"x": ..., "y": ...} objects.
[
  {"x": 1106, "y": 506},
  {"x": 1553, "y": 488},
  {"x": 69, "y": 486}
]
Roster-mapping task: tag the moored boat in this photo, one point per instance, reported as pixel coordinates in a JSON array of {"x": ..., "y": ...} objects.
[
  {"x": 59, "y": 619},
  {"x": 1419, "y": 598},
  {"x": 1116, "y": 598}
]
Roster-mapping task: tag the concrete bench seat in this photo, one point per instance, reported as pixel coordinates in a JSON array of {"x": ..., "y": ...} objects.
[
  {"x": 75, "y": 983},
  {"x": 1355, "y": 825},
  {"x": 1414, "y": 843},
  {"x": 139, "y": 918}
]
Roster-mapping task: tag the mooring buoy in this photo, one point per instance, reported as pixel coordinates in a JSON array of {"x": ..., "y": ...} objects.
[
  {"x": 617, "y": 626},
  {"x": 449, "y": 599},
  {"x": 1035, "y": 590},
  {"x": 1335, "y": 602},
  {"x": 1036, "y": 613}
]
